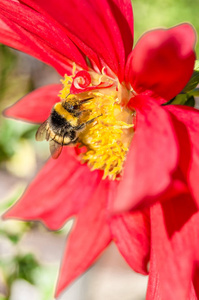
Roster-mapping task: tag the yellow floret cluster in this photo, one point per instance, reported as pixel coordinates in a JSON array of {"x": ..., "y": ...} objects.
[{"x": 108, "y": 137}]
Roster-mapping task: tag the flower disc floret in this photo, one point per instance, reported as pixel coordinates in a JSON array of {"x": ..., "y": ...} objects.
[{"x": 108, "y": 137}]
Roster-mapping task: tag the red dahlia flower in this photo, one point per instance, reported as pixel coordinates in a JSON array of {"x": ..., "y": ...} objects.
[{"x": 136, "y": 153}]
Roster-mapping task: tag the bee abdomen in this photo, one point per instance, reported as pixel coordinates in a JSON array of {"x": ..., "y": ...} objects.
[
  {"x": 60, "y": 116},
  {"x": 57, "y": 121}
]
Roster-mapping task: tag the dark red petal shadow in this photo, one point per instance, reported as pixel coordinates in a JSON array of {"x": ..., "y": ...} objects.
[
  {"x": 89, "y": 237},
  {"x": 59, "y": 191},
  {"x": 196, "y": 278},
  {"x": 102, "y": 27},
  {"x": 152, "y": 157},
  {"x": 173, "y": 256},
  {"x": 186, "y": 123},
  {"x": 131, "y": 233},
  {"x": 163, "y": 61},
  {"x": 35, "y": 106}
]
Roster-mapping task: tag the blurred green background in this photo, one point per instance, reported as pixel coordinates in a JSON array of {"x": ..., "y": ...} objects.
[
  {"x": 150, "y": 14},
  {"x": 21, "y": 156}
]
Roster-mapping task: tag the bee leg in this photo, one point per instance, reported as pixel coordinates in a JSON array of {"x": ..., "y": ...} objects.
[
  {"x": 92, "y": 120},
  {"x": 77, "y": 113},
  {"x": 72, "y": 135},
  {"x": 81, "y": 126},
  {"x": 74, "y": 141}
]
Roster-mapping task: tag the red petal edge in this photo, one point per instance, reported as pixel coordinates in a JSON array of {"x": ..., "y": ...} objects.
[
  {"x": 54, "y": 203},
  {"x": 36, "y": 106},
  {"x": 163, "y": 61},
  {"x": 109, "y": 35},
  {"x": 152, "y": 157},
  {"x": 89, "y": 237},
  {"x": 186, "y": 123},
  {"x": 131, "y": 233},
  {"x": 174, "y": 227},
  {"x": 52, "y": 44}
]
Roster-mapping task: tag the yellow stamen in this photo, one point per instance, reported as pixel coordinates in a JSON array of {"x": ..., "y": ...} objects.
[
  {"x": 67, "y": 81},
  {"x": 108, "y": 137}
]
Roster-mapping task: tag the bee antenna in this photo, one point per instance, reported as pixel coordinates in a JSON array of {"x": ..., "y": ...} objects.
[{"x": 86, "y": 100}]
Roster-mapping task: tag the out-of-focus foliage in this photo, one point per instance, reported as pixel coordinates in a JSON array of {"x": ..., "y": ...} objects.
[
  {"x": 17, "y": 157},
  {"x": 17, "y": 263},
  {"x": 11, "y": 136},
  {"x": 19, "y": 267},
  {"x": 8, "y": 61},
  {"x": 14, "y": 83},
  {"x": 155, "y": 13}
]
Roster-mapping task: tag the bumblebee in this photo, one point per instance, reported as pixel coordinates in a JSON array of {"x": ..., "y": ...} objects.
[{"x": 63, "y": 125}]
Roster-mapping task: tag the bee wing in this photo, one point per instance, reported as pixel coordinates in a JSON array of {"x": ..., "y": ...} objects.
[
  {"x": 55, "y": 149},
  {"x": 42, "y": 133}
]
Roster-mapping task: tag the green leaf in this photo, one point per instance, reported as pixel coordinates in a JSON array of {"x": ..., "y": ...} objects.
[
  {"x": 190, "y": 102},
  {"x": 196, "y": 67},
  {"x": 25, "y": 265},
  {"x": 194, "y": 92},
  {"x": 168, "y": 102},
  {"x": 193, "y": 82},
  {"x": 14, "y": 238},
  {"x": 180, "y": 99}
]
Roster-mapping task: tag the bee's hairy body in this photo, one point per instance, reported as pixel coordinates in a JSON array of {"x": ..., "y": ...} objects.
[
  {"x": 63, "y": 125},
  {"x": 62, "y": 128}
]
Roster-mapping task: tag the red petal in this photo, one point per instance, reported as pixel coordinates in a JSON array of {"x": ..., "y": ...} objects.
[
  {"x": 131, "y": 234},
  {"x": 152, "y": 157},
  {"x": 48, "y": 34},
  {"x": 174, "y": 246},
  {"x": 37, "y": 105},
  {"x": 196, "y": 279},
  {"x": 153, "y": 289},
  {"x": 89, "y": 237},
  {"x": 101, "y": 27},
  {"x": 81, "y": 83},
  {"x": 163, "y": 61},
  {"x": 186, "y": 122},
  {"x": 16, "y": 37},
  {"x": 58, "y": 192},
  {"x": 192, "y": 294}
]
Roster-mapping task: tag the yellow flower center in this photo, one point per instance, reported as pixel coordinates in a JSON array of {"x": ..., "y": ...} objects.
[{"x": 107, "y": 138}]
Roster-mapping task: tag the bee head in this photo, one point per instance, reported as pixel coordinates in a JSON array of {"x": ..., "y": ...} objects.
[
  {"x": 71, "y": 106},
  {"x": 74, "y": 105}
]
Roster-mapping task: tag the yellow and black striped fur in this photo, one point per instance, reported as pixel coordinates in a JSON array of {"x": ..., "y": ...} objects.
[{"x": 63, "y": 125}]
